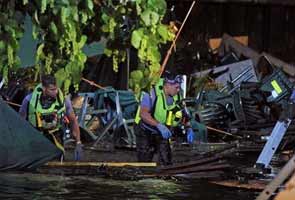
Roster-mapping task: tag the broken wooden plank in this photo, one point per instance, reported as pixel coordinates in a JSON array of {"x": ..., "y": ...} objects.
[
  {"x": 287, "y": 170},
  {"x": 190, "y": 164},
  {"x": 98, "y": 164},
  {"x": 288, "y": 68},
  {"x": 207, "y": 168},
  {"x": 214, "y": 43},
  {"x": 229, "y": 43},
  {"x": 250, "y": 184},
  {"x": 289, "y": 192},
  {"x": 216, "y": 174}
]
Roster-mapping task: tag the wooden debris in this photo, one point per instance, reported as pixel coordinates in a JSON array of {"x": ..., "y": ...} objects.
[
  {"x": 289, "y": 192},
  {"x": 251, "y": 184},
  {"x": 98, "y": 164}
]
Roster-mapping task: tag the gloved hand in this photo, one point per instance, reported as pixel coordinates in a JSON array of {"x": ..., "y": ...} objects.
[
  {"x": 190, "y": 136},
  {"x": 165, "y": 132},
  {"x": 78, "y": 154}
]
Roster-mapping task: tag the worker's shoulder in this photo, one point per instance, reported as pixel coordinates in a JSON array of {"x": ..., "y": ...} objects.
[{"x": 28, "y": 97}]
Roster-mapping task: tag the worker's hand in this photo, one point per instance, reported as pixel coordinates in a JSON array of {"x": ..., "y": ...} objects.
[
  {"x": 165, "y": 132},
  {"x": 78, "y": 152},
  {"x": 190, "y": 136}
]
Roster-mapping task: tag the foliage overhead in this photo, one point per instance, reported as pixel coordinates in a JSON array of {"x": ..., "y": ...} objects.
[
  {"x": 62, "y": 28},
  {"x": 11, "y": 31}
]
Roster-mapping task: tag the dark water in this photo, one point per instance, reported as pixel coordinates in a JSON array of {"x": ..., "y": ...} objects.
[{"x": 49, "y": 187}]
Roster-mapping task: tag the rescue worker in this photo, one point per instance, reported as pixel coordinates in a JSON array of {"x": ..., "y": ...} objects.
[
  {"x": 47, "y": 109},
  {"x": 156, "y": 115}
]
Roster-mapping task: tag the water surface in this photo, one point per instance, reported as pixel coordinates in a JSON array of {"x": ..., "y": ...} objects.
[{"x": 49, "y": 187}]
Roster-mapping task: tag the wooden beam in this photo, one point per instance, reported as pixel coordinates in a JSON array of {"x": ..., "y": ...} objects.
[
  {"x": 287, "y": 170},
  {"x": 251, "y": 184},
  {"x": 98, "y": 164}
]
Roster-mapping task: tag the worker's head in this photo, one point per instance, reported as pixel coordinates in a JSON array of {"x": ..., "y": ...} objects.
[
  {"x": 172, "y": 83},
  {"x": 49, "y": 87}
]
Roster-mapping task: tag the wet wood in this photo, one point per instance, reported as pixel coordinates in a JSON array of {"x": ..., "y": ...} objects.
[
  {"x": 251, "y": 184},
  {"x": 287, "y": 170},
  {"x": 207, "y": 168},
  {"x": 98, "y": 164},
  {"x": 202, "y": 175},
  {"x": 190, "y": 164}
]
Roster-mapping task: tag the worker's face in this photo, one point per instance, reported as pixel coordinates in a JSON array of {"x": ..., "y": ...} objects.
[
  {"x": 173, "y": 89},
  {"x": 50, "y": 91}
]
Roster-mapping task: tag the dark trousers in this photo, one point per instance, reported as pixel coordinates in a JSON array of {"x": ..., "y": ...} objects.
[{"x": 148, "y": 143}]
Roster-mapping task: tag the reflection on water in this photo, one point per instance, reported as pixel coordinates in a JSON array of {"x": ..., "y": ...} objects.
[{"x": 35, "y": 186}]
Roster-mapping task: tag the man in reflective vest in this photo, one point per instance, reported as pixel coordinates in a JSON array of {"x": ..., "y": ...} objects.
[
  {"x": 46, "y": 109},
  {"x": 157, "y": 112}
]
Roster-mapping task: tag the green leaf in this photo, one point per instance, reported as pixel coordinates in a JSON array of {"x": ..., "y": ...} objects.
[
  {"x": 2, "y": 46},
  {"x": 159, "y": 6},
  {"x": 154, "y": 18},
  {"x": 82, "y": 58},
  {"x": 153, "y": 54},
  {"x": 5, "y": 73},
  {"x": 43, "y": 6},
  {"x": 84, "y": 17},
  {"x": 136, "y": 76},
  {"x": 48, "y": 63},
  {"x": 60, "y": 76},
  {"x": 39, "y": 53},
  {"x": 25, "y": 2},
  {"x": 138, "y": 7},
  {"x": 145, "y": 16},
  {"x": 65, "y": 2},
  {"x": 75, "y": 14},
  {"x": 53, "y": 29},
  {"x": 108, "y": 52},
  {"x": 105, "y": 18},
  {"x": 55, "y": 10},
  {"x": 64, "y": 15},
  {"x": 136, "y": 37},
  {"x": 165, "y": 33},
  {"x": 35, "y": 32},
  {"x": 122, "y": 10},
  {"x": 66, "y": 85},
  {"x": 82, "y": 41},
  {"x": 89, "y": 4},
  {"x": 51, "y": 3},
  {"x": 10, "y": 56},
  {"x": 105, "y": 28}
]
